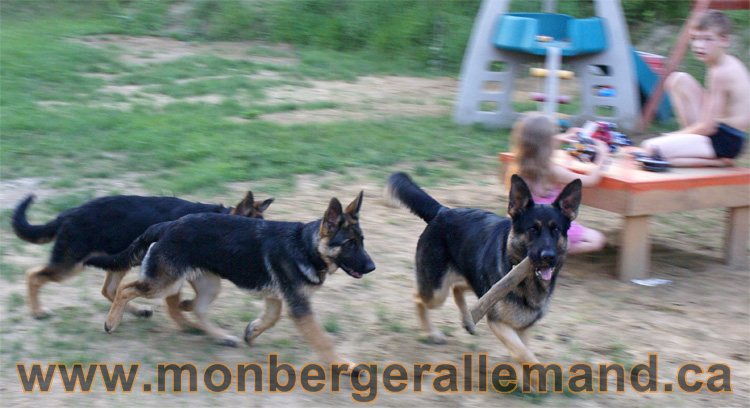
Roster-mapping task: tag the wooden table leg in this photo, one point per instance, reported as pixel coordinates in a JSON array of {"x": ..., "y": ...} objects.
[
  {"x": 735, "y": 241},
  {"x": 635, "y": 249}
]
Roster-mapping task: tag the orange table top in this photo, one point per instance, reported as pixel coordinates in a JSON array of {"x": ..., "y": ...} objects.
[{"x": 623, "y": 173}]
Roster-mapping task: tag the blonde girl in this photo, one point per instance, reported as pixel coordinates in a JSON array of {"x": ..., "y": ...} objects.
[{"x": 535, "y": 138}]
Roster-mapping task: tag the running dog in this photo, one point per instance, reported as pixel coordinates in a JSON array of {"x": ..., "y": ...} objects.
[
  {"x": 470, "y": 249},
  {"x": 285, "y": 261},
  {"x": 105, "y": 225}
]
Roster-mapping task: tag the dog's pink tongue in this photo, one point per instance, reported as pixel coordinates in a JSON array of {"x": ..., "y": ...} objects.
[{"x": 546, "y": 273}]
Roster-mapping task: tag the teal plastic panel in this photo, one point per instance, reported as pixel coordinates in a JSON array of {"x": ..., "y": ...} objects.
[{"x": 519, "y": 32}]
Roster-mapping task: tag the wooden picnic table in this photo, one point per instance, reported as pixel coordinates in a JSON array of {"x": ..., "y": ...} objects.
[{"x": 636, "y": 194}]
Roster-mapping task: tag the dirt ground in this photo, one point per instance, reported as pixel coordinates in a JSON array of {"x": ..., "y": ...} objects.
[{"x": 700, "y": 316}]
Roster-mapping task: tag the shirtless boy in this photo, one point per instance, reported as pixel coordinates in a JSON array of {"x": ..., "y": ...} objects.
[{"x": 714, "y": 121}]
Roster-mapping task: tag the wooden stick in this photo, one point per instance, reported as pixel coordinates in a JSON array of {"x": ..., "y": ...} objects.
[{"x": 500, "y": 289}]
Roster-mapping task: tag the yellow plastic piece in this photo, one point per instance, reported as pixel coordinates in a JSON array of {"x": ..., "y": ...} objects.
[{"x": 541, "y": 72}]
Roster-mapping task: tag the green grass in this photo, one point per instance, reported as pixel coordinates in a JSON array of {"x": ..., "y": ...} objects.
[
  {"x": 188, "y": 147},
  {"x": 65, "y": 201},
  {"x": 331, "y": 324},
  {"x": 10, "y": 272},
  {"x": 15, "y": 302},
  {"x": 387, "y": 320}
]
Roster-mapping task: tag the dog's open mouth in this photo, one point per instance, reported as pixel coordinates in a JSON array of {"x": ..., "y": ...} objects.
[
  {"x": 544, "y": 273},
  {"x": 351, "y": 272}
]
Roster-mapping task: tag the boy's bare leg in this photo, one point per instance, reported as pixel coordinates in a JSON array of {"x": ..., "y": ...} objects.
[
  {"x": 686, "y": 96},
  {"x": 676, "y": 146},
  {"x": 691, "y": 162}
]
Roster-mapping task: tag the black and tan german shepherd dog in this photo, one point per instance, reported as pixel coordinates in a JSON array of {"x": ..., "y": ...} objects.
[
  {"x": 106, "y": 225},
  {"x": 285, "y": 261},
  {"x": 470, "y": 249}
]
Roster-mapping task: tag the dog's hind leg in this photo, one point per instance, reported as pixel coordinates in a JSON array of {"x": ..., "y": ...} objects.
[
  {"x": 269, "y": 318},
  {"x": 39, "y": 276},
  {"x": 187, "y": 304},
  {"x": 434, "y": 281},
  {"x": 425, "y": 303},
  {"x": 161, "y": 285},
  {"x": 109, "y": 289},
  {"x": 125, "y": 294},
  {"x": 207, "y": 287},
  {"x": 466, "y": 319},
  {"x": 175, "y": 312}
]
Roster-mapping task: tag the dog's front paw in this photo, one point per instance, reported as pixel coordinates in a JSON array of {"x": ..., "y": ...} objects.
[
  {"x": 41, "y": 314},
  {"x": 470, "y": 327},
  {"x": 251, "y": 332},
  {"x": 186, "y": 305},
  {"x": 229, "y": 341},
  {"x": 437, "y": 337},
  {"x": 110, "y": 324}
]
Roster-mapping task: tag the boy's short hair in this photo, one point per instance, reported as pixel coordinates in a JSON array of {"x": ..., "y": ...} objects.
[{"x": 716, "y": 20}]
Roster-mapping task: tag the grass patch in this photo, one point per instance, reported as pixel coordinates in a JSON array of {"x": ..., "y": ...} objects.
[
  {"x": 65, "y": 201},
  {"x": 10, "y": 272},
  {"x": 15, "y": 302},
  {"x": 386, "y": 319},
  {"x": 332, "y": 325}
]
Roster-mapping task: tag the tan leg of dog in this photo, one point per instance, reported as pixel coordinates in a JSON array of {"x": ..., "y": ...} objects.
[
  {"x": 510, "y": 337},
  {"x": 109, "y": 289},
  {"x": 40, "y": 276},
  {"x": 466, "y": 320},
  {"x": 512, "y": 340},
  {"x": 267, "y": 320},
  {"x": 164, "y": 285},
  {"x": 207, "y": 287},
  {"x": 175, "y": 312},
  {"x": 187, "y": 304},
  {"x": 124, "y": 294},
  {"x": 316, "y": 337},
  {"x": 423, "y": 305}
]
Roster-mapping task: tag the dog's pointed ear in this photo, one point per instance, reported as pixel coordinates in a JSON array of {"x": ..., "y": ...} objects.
[
  {"x": 331, "y": 219},
  {"x": 261, "y": 206},
  {"x": 245, "y": 208},
  {"x": 570, "y": 199},
  {"x": 519, "y": 199},
  {"x": 353, "y": 207}
]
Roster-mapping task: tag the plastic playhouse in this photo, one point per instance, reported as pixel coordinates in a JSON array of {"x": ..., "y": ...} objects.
[{"x": 597, "y": 48}]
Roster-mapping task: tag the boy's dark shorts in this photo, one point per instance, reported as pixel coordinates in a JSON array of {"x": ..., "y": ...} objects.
[{"x": 728, "y": 141}]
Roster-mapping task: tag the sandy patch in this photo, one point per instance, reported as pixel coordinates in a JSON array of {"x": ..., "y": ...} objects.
[{"x": 155, "y": 50}]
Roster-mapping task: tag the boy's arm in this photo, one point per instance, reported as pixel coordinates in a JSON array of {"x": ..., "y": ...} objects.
[{"x": 713, "y": 105}]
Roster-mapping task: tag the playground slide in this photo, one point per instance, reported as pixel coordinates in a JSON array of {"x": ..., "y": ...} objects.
[{"x": 647, "y": 81}]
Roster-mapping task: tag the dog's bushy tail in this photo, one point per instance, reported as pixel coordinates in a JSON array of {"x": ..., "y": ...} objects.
[
  {"x": 37, "y": 234},
  {"x": 133, "y": 254},
  {"x": 402, "y": 188}
]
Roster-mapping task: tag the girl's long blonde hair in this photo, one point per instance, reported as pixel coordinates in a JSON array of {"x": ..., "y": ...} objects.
[{"x": 532, "y": 146}]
